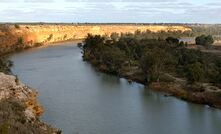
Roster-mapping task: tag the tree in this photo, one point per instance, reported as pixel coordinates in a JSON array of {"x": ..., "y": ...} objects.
[
  {"x": 114, "y": 36},
  {"x": 17, "y": 26},
  {"x": 20, "y": 41},
  {"x": 204, "y": 40},
  {"x": 153, "y": 63},
  {"x": 80, "y": 45},
  {"x": 93, "y": 41},
  {"x": 112, "y": 57},
  {"x": 195, "y": 72}
]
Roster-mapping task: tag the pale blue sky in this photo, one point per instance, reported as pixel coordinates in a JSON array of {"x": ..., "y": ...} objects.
[{"x": 137, "y": 11}]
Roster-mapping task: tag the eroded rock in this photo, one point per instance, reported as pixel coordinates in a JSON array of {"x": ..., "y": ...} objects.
[{"x": 19, "y": 109}]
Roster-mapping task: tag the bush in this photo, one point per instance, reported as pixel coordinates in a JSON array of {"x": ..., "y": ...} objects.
[
  {"x": 50, "y": 37},
  {"x": 204, "y": 40},
  {"x": 17, "y": 26},
  {"x": 114, "y": 36},
  {"x": 195, "y": 72},
  {"x": 80, "y": 45},
  {"x": 5, "y": 65},
  {"x": 20, "y": 41}
]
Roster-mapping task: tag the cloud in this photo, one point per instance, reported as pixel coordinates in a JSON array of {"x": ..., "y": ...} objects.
[
  {"x": 110, "y": 11},
  {"x": 9, "y": 1},
  {"x": 121, "y": 1},
  {"x": 39, "y": 1}
]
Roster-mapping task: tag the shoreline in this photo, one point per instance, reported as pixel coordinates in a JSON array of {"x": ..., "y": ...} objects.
[
  {"x": 19, "y": 104},
  {"x": 14, "y": 92},
  {"x": 174, "y": 89},
  {"x": 7, "y": 55}
]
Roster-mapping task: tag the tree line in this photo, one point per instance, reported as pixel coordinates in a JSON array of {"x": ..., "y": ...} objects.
[{"x": 153, "y": 57}]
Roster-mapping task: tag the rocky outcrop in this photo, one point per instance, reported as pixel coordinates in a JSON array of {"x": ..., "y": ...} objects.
[
  {"x": 15, "y": 37},
  {"x": 19, "y": 109}
]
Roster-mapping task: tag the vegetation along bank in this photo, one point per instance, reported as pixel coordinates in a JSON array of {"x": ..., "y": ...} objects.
[{"x": 163, "y": 64}]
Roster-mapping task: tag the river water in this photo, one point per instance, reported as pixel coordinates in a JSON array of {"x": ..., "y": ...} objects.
[{"x": 79, "y": 100}]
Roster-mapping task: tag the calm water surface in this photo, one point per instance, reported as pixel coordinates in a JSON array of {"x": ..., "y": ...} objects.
[{"x": 80, "y": 100}]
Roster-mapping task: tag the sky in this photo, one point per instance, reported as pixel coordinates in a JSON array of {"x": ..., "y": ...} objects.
[{"x": 110, "y": 11}]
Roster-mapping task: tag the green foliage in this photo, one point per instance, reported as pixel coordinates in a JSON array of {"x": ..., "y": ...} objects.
[
  {"x": 20, "y": 41},
  {"x": 65, "y": 36},
  {"x": 182, "y": 44},
  {"x": 79, "y": 45},
  {"x": 103, "y": 54},
  {"x": 17, "y": 26},
  {"x": 204, "y": 40},
  {"x": 112, "y": 58},
  {"x": 5, "y": 65},
  {"x": 93, "y": 41},
  {"x": 153, "y": 56},
  {"x": 195, "y": 72},
  {"x": 214, "y": 30},
  {"x": 50, "y": 37},
  {"x": 153, "y": 63},
  {"x": 14, "y": 121}
]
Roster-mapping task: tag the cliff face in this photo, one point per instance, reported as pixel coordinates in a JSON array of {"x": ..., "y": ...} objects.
[
  {"x": 12, "y": 38},
  {"x": 19, "y": 109}
]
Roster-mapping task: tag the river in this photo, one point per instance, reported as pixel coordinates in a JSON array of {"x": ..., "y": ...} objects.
[{"x": 80, "y": 100}]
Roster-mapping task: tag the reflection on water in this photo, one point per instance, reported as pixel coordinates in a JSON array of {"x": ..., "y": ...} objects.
[{"x": 80, "y": 100}]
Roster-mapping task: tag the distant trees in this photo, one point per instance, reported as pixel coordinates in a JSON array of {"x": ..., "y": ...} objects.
[
  {"x": 93, "y": 41},
  {"x": 103, "y": 54},
  {"x": 204, "y": 40},
  {"x": 152, "y": 58},
  {"x": 172, "y": 40},
  {"x": 17, "y": 26},
  {"x": 214, "y": 30},
  {"x": 20, "y": 41},
  {"x": 50, "y": 37}
]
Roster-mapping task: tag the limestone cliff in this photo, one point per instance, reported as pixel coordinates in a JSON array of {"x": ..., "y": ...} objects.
[
  {"x": 12, "y": 37},
  {"x": 19, "y": 109}
]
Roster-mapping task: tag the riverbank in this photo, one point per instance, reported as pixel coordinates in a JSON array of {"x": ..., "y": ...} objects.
[
  {"x": 19, "y": 108},
  {"x": 206, "y": 94},
  {"x": 185, "y": 73},
  {"x": 84, "y": 96},
  {"x": 14, "y": 39}
]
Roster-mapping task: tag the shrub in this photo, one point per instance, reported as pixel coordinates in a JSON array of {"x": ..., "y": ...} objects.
[
  {"x": 195, "y": 72},
  {"x": 114, "y": 36},
  {"x": 80, "y": 45},
  {"x": 204, "y": 40},
  {"x": 65, "y": 36},
  {"x": 50, "y": 37},
  {"x": 17, "y": 26},
  {"x": 20, "y": 41}
]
